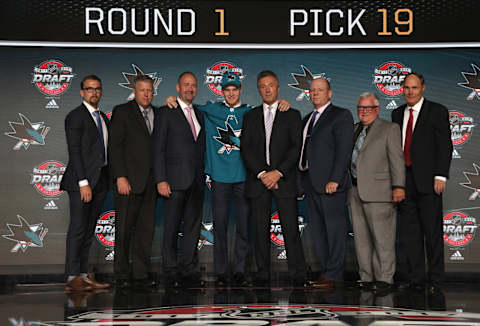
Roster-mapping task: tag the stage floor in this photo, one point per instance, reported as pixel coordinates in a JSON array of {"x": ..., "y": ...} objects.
[{"x": 48, "y": 304}]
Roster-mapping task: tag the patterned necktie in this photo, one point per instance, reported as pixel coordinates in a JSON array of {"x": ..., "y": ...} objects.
[
  {"x": 356, "y": 150},
  {"x": 408, "y": 139},
  {"x": 190, "y": 122},
  {"x": 268, "y": 132},
  {"x": 147, "y": 120},
  {"x": 307, "y": 138},
  {"x": 100, "y": 131}
]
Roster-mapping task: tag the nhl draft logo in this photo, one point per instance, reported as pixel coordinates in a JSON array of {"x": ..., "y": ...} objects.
[
  {"x": 46, "y": 178},
  {"x": 229, "y": 137},
  {"x": 461, "y": 128},
  {"x": 458, "y": 229},
  {"x": 105, "y": 229},
  {"x": 27, "y": 133},
  {"x": 105, "y": 233},
  {"x": 25, "y": 234},
  {"x": 472, "y": 82},
  {"x": 214, "y": 74},
  {"x": 52, "y": 77},
  {"x": 473, "y": 182},
  {"x": 303, "y": 82},
  {"x": 130, "y": 78},
  {"x": 389, "y": 76},
  {"x": 276, "y": 235}
]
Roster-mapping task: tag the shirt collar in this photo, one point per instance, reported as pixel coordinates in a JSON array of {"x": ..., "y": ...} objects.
[
  {"x": 235, "y": 106},
  {"x": 142, "y": 108},
  {"x": 417, "y": 106},
  {"x": 90, "y": 108},
  {"x": 274, "y": 106},
  {"x": 322, "y": 108},
  {"x": 183, "y": 105}
]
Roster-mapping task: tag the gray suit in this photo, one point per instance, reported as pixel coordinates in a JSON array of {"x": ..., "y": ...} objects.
[{"x": 380, "y": 168}]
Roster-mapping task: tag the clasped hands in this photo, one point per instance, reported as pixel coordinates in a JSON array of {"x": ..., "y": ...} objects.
[{"x": 270, "y": 179}]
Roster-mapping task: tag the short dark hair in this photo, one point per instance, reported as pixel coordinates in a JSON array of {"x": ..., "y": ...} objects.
[
  {"x": 90, "y": 77},
  {"x": 142, "y": 78},
  {"x": 185, "y": 73},
  {"x": 419, "y": 76},
  {"x": 266, "y": 73}
]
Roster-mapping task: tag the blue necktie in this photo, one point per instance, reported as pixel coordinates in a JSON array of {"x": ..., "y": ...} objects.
[
  {"x": 307, "y": 138},
  {"x": 100, "y": 130}
]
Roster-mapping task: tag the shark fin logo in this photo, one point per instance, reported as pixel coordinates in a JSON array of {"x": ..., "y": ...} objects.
[
  {"x": 472, "y": 82},
  {"x": 130, "y": 77},
  {"x": 25, "y": 235},
  {"x": 303, "y": 82},
  {"x": 228, "y": 137},
  {"x": 473, "y": 182},
  {"x": 27, "y": 133}
]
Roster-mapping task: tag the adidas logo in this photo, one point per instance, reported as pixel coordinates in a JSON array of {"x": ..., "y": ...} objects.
[
  {"x": 110, "y": 256},
  {"x": 392, "y": 105},
  {"x": 457, "y": 256},
  {"x": 52, "y": 105},
  {"x": 455, "y": 154},
  {"x": 50, "y": 205}
]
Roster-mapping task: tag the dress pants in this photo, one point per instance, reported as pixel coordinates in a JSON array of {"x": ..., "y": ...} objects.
[
  {"x": 374, "y": 226},
  {"x": 134, "y": 217},
  {"x": 261, "y": 207},
  {"x": 328, "y": 226},
  {"x": 421, "y": 222},
  {"x": 186, "y": 204},
  {"x": 83, "y": 218},
  {"x": 223, "y": 194}
]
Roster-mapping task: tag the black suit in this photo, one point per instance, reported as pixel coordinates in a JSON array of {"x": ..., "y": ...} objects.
[
  {"x": 285, "y": 143},
  {"x": 179, "y": 160},
  {"x": 86, "y": 162},
  {"x": 328, "y": 155},
  {"x": 421, "y": 211},
  {"x": 130, "y": 152}
]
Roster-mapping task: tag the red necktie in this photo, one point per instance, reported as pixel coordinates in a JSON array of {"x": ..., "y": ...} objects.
[{"x": 408, "y": 139}]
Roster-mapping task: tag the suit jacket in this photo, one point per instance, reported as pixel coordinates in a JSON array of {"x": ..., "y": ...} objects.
[
  {"x": 85, "y": 157},
  {"x": 285, "y": 145},
  {"x": 431, "y": 148},
  {"x": 177, "y": 157},
  {"x": 380, "y": 162},
  {"x": 330, "y": 149},
  {"x": 130, "y": 145}
]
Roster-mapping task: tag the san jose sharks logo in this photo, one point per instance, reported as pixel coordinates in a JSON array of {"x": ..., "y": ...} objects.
[
  {"x": 473, "y": 182},
  {"x": 138, "y": 72},
  {"x": 228, "y": 137},
  {"x": 303, "y": 82},
  {"x": 472, "y": 82},
  {"x": 27, "y": 133},
  {"x": 25, "y": 235}
]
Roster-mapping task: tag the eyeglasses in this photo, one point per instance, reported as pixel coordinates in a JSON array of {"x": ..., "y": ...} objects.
[
  {"x": 91, "y": 89},
  {"x": 367, "y": 109}
]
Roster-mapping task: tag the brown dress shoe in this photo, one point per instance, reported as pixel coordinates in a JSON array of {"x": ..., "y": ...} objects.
[
  {"x": 90, "y": 280},
  {"x": 78, "y": 284}
]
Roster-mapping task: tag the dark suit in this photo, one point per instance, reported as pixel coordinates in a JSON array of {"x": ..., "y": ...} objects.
[
  {"x": 421, "y": 211},
  {"x": 86, "y": 162},
  {"x": 285, "y": 145},
  {"x": 130, "y": 149},
  {"x": 328, "y": 155},
  {"x": 179, "y": 160}
]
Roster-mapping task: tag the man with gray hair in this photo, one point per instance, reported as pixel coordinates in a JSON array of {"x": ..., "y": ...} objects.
[{"x": 378, "y": 182}]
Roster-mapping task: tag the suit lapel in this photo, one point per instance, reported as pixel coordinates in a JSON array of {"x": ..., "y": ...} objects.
[
  {"x": 323, "y": 117},
  {"x": 422, "y": 117},
  {"x": 374, "y": 128},
  {"x": 88, "y": 117}
]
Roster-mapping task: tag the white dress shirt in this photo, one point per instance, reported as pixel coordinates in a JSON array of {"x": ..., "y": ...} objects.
[
  {"x": 184, "y": 106},
  {"x": 91, "y": 109}
]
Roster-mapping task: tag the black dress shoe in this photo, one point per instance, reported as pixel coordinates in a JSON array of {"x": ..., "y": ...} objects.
[
  {"x": 123, "y": 283},
  {"x": 171, "y": 282},
  {"x": 434, "y": 288},
  {"x": 193, "y": 281},
  {"x": 381, "y": 286},
  {"x": 144, "y": 283},
  {"x": 365, "y": 285}
]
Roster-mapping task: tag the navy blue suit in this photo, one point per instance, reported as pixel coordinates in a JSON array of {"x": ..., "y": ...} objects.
[
  {"x": 328, "y": 155},
  {"x": 85, "y": 162}
]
